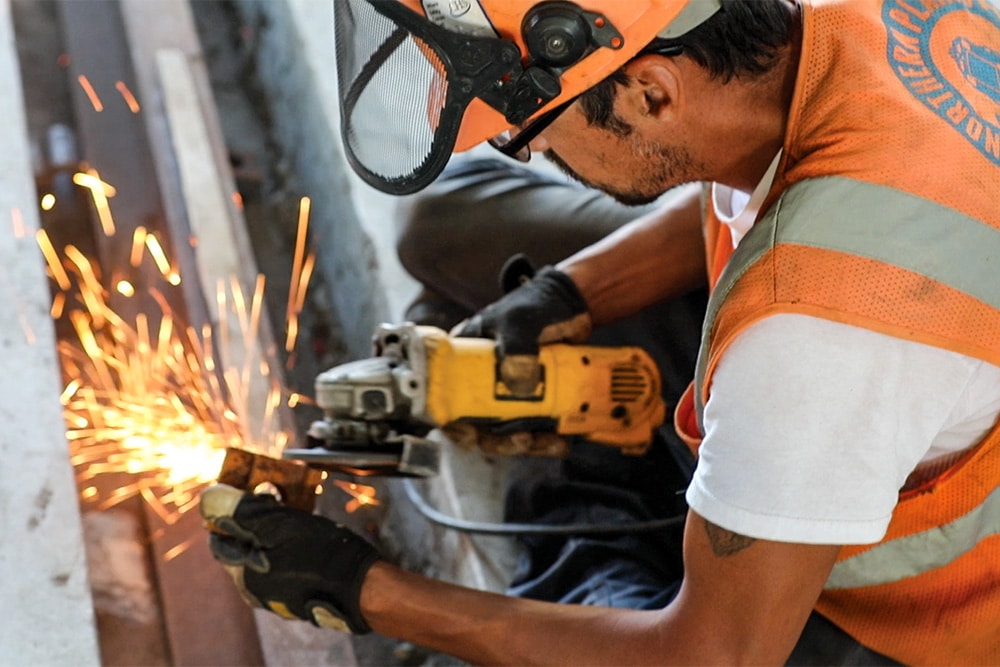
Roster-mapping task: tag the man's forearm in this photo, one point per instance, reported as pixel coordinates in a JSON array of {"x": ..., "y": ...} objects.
[
  {"x": 656, "y": 257},
  {"x": 736, "y": 605},
  {"x": 487, "y": 628}
]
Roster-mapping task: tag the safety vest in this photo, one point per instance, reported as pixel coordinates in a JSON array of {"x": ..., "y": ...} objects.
[{"x": 885, "y": 214}]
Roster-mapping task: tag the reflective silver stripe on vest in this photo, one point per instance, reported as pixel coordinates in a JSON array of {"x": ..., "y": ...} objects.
[
  {"x": 921, "y": 552},
  {"x": 872, "y": 221}
]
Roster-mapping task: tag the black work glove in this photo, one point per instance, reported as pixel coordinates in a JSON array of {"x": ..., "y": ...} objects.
[
  {"x": 539, "y": 308},
  {"x": 295, "y": 564}
]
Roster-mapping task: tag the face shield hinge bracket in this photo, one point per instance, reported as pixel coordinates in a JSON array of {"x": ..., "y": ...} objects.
[
  {"x": 476, "y": 62},
  {"x": 603, "y": 32},
  {"x": 522, "y": 93},
  {"x": 558, "y": 36}
]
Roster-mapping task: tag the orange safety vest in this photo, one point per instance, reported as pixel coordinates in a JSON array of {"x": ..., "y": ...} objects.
[{"x": 885, "y": 214}]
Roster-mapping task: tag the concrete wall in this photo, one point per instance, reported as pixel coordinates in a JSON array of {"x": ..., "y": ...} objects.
[{"x": 48, "y": 617}]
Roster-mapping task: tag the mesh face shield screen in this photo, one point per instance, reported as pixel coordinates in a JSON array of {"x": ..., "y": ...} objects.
[{"x": 404, "y": 85}]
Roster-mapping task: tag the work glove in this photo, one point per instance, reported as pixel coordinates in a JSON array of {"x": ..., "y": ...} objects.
[
  {"x": 295, "y": 564},
  {"x": 538, "y": 308}
]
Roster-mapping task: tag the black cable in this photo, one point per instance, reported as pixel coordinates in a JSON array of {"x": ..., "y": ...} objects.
[{"x": 513, "y": 529}]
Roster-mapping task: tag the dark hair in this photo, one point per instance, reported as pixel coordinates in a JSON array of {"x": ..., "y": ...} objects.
[{"x": 741, "y": 40}]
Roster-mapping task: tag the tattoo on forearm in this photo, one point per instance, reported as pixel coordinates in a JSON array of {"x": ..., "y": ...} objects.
[{"x": 726, "y": 542}]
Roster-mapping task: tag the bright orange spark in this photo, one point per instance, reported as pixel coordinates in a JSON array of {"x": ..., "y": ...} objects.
[
  {"x": 281, "y": 439},
  {"x": 95, "y": 101},
  {"x": 156, "y": 251},
  {"x": 69, "y": 391},
  {"x": 238, "y": 201},
  {"x": 52, "y": 259},
  {"x": 304, "y": 278},
  {"x": 58, "y": 304},
  {"x": 138, "y": 243},
  {"x": 100, "y": 192},
  {"x": 291, "y": 333},
  {"x": 292, "y": 315},
  {"x": 17, "y": 223},
  {"x": 133, "y": 104},
  {"x": 361, "y": 495},
  {"x": 91, "y": 180},
  {"x": 91, "y": 291},
  {"x": 48, "y": 201},
  {"x": 176, "y": 550},
  {"x": 29, "y": 333},
  {"x": 125, "y": 288}
]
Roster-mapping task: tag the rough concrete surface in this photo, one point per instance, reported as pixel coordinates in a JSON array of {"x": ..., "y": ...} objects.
[{"x": 43, "y": 579}]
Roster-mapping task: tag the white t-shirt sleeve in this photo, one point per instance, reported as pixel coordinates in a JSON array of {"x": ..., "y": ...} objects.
[{"x": 813, "y": 426}]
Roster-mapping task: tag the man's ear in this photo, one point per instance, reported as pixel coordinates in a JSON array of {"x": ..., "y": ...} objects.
[{"x": 657, "y": 87}]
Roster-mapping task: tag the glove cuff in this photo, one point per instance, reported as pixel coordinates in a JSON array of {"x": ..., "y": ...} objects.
[
  {"x": 356, "y": 623},
  {"x": 564, "y": 287}
]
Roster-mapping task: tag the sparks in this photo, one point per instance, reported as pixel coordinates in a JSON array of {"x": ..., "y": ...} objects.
[
  {"x": 52, "y": 259},
  {"x": 156, "y": 251},
  {"x": 138, "y": 243},
  {"x": 143, "y": 398},
  {"x": 88, "y": 89},
  {"x": 149, "y": 396},
  {"x": 125, "y": 288},
  {"x": 296, "y": 286},
  {"x": 58, "y": 305},
  {"x": 123, "y": 90},
  {"x": 100, "y": 192},
  {"x": 17, "y": 223},
  {"x": 361, "y": 495}
]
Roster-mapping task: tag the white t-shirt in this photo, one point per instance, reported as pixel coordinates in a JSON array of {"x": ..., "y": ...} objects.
[{"x": 813, "y": 426}]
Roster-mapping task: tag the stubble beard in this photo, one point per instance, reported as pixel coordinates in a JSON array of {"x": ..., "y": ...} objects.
[{"x": 664, "y": 167}]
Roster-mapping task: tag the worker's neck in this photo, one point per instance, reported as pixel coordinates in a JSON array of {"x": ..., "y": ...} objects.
[{"x": 746, "y": 121}]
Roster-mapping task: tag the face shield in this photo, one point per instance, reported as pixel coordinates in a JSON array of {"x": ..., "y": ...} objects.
[{"x": 406, "y": 83}]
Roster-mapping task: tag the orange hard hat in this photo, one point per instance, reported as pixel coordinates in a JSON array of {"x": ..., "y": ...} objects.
[{"x": 420, "y": 79}]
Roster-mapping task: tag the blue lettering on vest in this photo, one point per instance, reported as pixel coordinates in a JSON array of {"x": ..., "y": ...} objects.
[{"x": 963, "y": 86}]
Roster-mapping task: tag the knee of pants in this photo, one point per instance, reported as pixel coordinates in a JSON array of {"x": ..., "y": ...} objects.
[{"x": 419, "y": 236}]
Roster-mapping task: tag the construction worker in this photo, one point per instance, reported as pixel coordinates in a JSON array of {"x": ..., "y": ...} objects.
[{"x": 845, "y": 403}]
